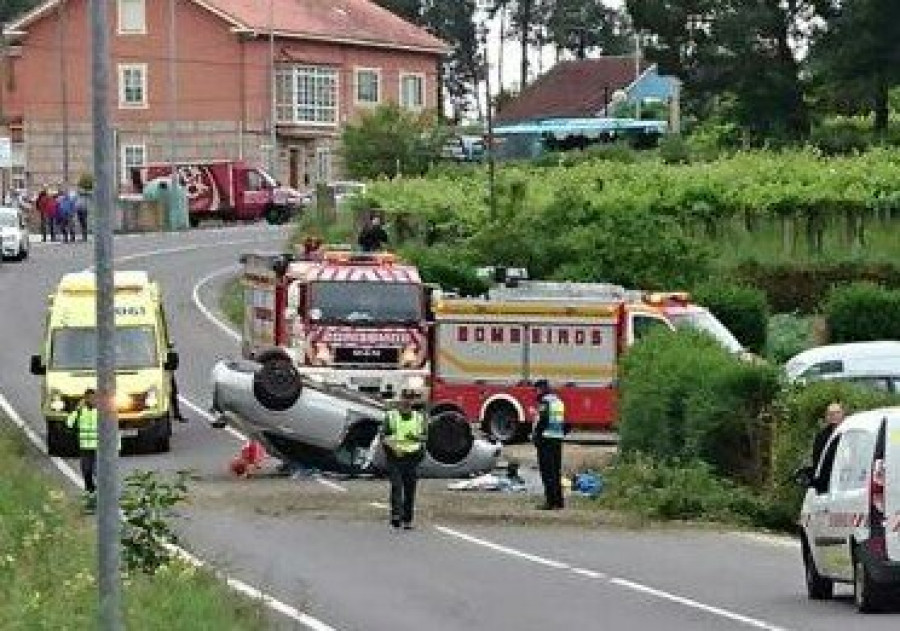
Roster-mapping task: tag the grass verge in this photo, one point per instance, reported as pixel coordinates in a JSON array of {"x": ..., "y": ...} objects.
[
  {"x": 231, "y": 301},
  {"x": 48, "y": 560}
]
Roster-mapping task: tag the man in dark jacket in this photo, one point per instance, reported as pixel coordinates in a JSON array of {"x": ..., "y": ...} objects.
[
  {"x": 373, "y": 236},
  {"x": 548, "y": 438},
  {"x": 834, "y": 416}
]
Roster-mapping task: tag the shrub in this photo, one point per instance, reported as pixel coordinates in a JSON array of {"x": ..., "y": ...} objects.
[
  {"x": 147, "y": 505},
  {"x": 685, "y": 397},
  {"x": 674, "y": 149},
  {"x": 788, "y": 335},
  {"x": 743, "y": 310},
  {"x": 862, "y": 312},
  {"x": 447, "y": 267}
]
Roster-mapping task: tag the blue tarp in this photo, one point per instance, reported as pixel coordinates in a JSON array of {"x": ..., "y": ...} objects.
[{"x": 561, "y": 128}]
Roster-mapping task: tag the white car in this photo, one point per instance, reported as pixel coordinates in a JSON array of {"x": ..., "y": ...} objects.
[
  {"x": 850, "y": 519},
  {"x": 872, "y": 364},
  {"x": 13, "y": 233}
]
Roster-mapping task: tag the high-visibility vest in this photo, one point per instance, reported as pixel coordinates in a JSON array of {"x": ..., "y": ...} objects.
[
  {"x": 86, "y": 420},
  {"x": 406, "y": 434},
  {"x": 556, "y": 411}
]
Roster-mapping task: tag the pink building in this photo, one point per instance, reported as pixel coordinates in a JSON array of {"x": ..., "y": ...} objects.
[{"x": 332, "y": 59}]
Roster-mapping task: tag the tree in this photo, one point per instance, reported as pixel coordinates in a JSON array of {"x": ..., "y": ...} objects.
[
  {"x": 391, "y": 141},
  {"x": 10, "y": 9},
  {"x": 410, "y": 10},
  {"x": 857, "y": 54},
  {"x": 582, "y": 26},
  {"x": 454, "y": 23},
  {"x": 524, "y": 23}
]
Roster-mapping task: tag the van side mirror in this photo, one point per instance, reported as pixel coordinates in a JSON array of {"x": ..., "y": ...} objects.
[
  {"x": 171, "y": 363},
  {"x": 804, "y": 477},
  {"x": 37, "y": 365}
]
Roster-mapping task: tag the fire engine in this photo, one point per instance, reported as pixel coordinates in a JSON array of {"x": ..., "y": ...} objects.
[
  {"x": 488, "y": 352},
  {"x": 343, "y": 318}
]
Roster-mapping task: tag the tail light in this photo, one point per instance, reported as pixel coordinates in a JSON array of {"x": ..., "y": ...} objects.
[{"x": 876, "y": 487}]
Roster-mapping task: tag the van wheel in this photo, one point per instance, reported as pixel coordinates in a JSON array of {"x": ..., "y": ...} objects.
[
  {"x": 817, "y": 586},
  {"x": 61, "y": 443},
  {"x": 277, "y": 384},
  {"x": 164, "y": 440},
  {"x": 275, "y": 215},
  {"x": 501, "y": 421},
  {"x": 866, "y": 595}
]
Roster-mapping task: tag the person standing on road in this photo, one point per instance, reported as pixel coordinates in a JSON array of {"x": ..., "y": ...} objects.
[
  {"x": 403, "y": 432},
  {"x": 44, "y": 203},
  {"x": 65, "y": 215},
  {"x": 373, "y": 236},
  {"x": 84, "y": 418},
  {"x": 834, "y": 416},
  {"x": 81, "y": 212},
  {"x": 548, "y": 437}
]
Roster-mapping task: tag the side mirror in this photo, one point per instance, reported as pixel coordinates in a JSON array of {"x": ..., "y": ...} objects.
[
  {"x": 37, "y": 365},
  {"x": 804, "y": 477},
  {"x": 171, "y": 363}
]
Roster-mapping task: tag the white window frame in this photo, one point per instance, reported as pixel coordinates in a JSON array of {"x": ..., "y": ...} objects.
[
  {"x": 291, "y": 75},
  {"x": 125, "y": 164},
  {"x": 123, "y": 103},
  {"x": 122, "y": 28},
  {"x": 409, "y": 75},
  {"x": 356, "y": 85}
]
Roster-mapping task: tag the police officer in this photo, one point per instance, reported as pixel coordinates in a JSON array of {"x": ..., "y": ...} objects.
[
  {"x": 548, "y": 437},
  {"x": 403, "y": 434},
  {"x": 84, "y": 417}
]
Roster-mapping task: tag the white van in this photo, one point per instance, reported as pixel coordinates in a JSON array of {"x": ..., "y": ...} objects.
[
  {"x": 874, "y": 364},
  {"x": 850, "y": 519}
]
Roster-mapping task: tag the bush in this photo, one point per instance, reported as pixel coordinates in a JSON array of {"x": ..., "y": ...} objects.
[
  {"x": 802, "y": 288},
  {"x": 684, "y": 396},
  {"x": 862, "y": 312},
  {"x": 447, "y": 267},
  {"x": 743, "y": 310},
  {"x": 674, "y": 149},
  {"x": 788, "y": 335}
]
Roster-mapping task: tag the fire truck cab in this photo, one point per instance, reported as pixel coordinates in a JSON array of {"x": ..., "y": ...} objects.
[
  {"x": 343, "y": 318},
  {"x": 489, "y": 352}
]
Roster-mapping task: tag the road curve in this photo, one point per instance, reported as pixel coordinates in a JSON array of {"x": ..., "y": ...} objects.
[{"x": 358, "y": 575}]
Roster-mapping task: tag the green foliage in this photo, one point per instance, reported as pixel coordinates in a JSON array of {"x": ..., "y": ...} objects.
[
  {"x": 674, "y": 149},
  {"x": 391, "y": 141},
  {"x": 446, "y": 268},
  {"x": 788, "y": 335},
  {"x": 683, "y": 396},
  {"x": 86, "y": 182},
  {"x": 743, "y": 310},
  {"x": 863, "y": 312},
  {"x": 231, "y": 301},
  {"x": 147, "y": 504}
]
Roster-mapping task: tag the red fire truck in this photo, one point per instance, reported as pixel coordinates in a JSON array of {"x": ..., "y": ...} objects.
[
  {"x": 225, "y": 189},
  {"x": 348, "y": 319}
]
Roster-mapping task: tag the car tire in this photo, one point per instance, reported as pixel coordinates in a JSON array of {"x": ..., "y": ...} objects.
[
  {"x": 867, "y": 596},
  {"x": 817, "y": 586},
  {"x": 450, "y": 438},
  {"x": 276, "y": 385},
  {"x": 501, "y": 422},
  {"x": 61, "y": 443}
]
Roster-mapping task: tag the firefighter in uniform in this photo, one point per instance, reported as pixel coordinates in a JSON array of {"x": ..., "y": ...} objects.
[
  {"x": 548, "y": 437},
  {"x": 84, "y": 417},
  {"x": 404, "y": 432}
]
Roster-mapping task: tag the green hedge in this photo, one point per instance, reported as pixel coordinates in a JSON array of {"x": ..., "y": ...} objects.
[
  {"x": 743, "y": 310},
  {"x": 446, "y": 267},
  {"x": 862, "y": 312},
  {"x": 685, "y": 397},
  {"x": 803, "y": 288}
]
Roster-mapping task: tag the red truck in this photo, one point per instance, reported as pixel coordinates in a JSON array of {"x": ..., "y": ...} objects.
[{"x": 225, "y": 189}]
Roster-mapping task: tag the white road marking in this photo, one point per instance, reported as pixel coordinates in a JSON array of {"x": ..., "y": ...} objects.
[
  {"x": 379, "y": 505},
  {"x": 236, "y": 584},
  {"x": 207, "y": 313},
  {"x": 331, "y": 485},
  {"x": 770, "y": 540},
  {"x": 209, "y": 417},
  {"x": 619, "y": 582}
]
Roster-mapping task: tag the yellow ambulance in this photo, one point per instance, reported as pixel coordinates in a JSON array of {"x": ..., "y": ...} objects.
[{"x": 145, "y": 361}]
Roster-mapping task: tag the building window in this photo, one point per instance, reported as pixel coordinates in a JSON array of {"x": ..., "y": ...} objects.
[
  {"x": 306, "y": 94},
  {"x": 132, "y": 156},
  {"x": 132, "y": 17},
  {"x": 412, "y": 91},
  {"x": 368, "y": 86},
  {"x": 132, "y": 85},
  {"x": 323, "y": 164}
]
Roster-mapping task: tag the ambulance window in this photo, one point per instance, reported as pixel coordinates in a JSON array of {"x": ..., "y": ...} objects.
[
  {"x": 823, "y": 478},
  {"x": 852, "y": 460},
  {"x": 874, "y": 383},
  {"x": 823, "y": 368},
  {"x": 642, "y": 325}
]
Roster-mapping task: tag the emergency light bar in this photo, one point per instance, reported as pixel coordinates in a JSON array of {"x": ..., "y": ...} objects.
[{"x": 501, "y": 274}]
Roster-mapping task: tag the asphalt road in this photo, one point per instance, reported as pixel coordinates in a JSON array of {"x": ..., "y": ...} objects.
[{"x": 355, "y": 574}]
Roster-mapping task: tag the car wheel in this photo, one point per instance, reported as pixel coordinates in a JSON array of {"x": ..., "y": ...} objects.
[
  {"x": 449, "y": 438},
  {"x": 817, "y": 586},
  {"x": 277, "y": 384},
  {"x": 866, "y": 594},
  {"x": 501, "y": 421}
]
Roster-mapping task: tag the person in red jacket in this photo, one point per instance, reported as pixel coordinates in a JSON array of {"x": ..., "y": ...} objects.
[{"x": 46, "y": 207}]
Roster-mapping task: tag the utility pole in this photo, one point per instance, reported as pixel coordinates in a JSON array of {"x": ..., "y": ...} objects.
[
  {"x": 637, "y": 73},
  {"x": 108, "y": 535},
  {"x": 173, "y": 116},
  {"x": 273, "y": 133},
  {"x": 492, "y": 188},
  {"x": 62, "y": 19}
]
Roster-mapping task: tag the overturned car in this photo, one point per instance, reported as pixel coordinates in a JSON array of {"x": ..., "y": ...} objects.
[{"x": 330, "y": 427}]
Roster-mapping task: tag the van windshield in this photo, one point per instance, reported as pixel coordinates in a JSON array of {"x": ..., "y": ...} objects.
[
  {"x": 361, "y": 302},
  {"x": 9, "y": 220},
  {"x": 703, "y": 320},
  {"x": 76, "y": 348}
]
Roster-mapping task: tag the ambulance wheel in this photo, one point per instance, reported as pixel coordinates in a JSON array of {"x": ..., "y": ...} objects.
[
  {"x": 866, "y": 594},
  {"x": 164, "y": 440},
  {"x": 501, "y": 421},
  {"x": 817, "y": 586},
  {"x": 277, "y": 384},
  {"x": 61, "y": 443}
]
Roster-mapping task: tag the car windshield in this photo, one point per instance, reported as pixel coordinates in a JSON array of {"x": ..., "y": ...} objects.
[
  {"x": 703, "y": 320},
  {"x": 9, "y": 220},
  {"x": 76, "y": 348},
  {"x": 365, "y": 302}
]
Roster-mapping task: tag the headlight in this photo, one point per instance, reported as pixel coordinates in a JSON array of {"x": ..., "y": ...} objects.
[
  {"x": 151, "y": 399},
  {"x": 56, "y": 401},
  {"x": 409, "y": 356},
  {"x": 415, "y": 382},
  {"x": 323, "y": 354}
]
